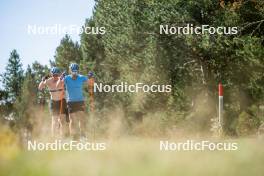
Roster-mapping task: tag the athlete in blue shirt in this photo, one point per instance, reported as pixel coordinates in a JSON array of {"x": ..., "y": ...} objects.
[{"x": 73, "y": 84}]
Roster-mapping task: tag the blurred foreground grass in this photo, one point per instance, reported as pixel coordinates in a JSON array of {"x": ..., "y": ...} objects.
[{"x": 137, "y": 156}]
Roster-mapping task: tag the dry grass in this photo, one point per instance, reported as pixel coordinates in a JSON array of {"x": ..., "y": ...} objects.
[
  {"x": 128, "y": 155},
  {"x": 138, "y": 156}
]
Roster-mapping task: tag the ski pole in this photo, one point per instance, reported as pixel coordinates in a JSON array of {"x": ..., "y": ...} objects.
[
  {"x": 91, "y": 97},
  {"x": 62, "y": 96},
  {"x": 91, "y": 90},
  {"x": 91, "y": 94}
]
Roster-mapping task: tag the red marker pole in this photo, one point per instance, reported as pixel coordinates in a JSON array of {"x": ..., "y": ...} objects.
[{"x": 220, "y": 104}]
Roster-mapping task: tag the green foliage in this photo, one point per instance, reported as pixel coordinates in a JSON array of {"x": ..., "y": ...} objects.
[
  {"x": 133, "y": 50},
  {"x": 66, "y": 53},
  {"x": 27, "y": 99},
  {"x": 247, "y": 124},
  {"x": 38, "y": 71},
  {"x": 12, "y": 79},
  {"x": 30, "y": 96}
]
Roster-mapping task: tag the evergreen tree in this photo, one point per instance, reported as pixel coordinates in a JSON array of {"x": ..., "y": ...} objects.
[
  {"x": 12, "y": 79},
  {"x": 133, "y": 50},
  {"x": 5, "y": 106},
  {"x": 39, "y": 71},
  {"x": 92, "y": 50},
  {"x": 67, "y": 52},
  {"x": 25, "y": 106}
]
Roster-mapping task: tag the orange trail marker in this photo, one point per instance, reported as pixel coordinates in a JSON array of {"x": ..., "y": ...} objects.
[{"x": 91, "y": 93}]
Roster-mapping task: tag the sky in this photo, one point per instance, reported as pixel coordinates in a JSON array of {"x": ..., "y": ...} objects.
[{"x": 17, "y": 15}]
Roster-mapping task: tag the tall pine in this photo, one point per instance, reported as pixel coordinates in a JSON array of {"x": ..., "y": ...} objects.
[
  {"x": 12, "y": 79},
  {"x": 67, "y": 52}
]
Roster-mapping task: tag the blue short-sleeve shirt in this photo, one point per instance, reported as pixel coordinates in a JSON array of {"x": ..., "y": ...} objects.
[{"x": 74, "y": 88}]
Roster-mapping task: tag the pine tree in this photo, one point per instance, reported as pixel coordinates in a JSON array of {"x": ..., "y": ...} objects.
[
  {"x": 92, "y": 50},
  {"x": 38, "y": 71},
  {"x": 134, "y": 50},
  {"x": 67, "y": 52},
  {"x": 28, "y": 99},
  {"x": 5, "y": 106},
  {"x": 12, "y": 79}
]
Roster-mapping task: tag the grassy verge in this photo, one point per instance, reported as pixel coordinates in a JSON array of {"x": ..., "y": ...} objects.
[{"x": 138, "y": 156}]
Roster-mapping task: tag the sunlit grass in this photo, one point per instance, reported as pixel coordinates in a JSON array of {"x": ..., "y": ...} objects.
[{"x": 139, "y": 156}]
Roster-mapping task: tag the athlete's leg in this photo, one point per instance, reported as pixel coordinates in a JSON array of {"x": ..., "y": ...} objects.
[
  {"x": 60, "y": 124},
  {"x": 64, "y": 126},
  {"x": 74, "y": 125},
  {"x": 52, "y": 119},
  {"x": 71, "y": 124},
  {"x": 56, "y": 126},
  {"x": 55, "y": 122},
  {"x": 83, "y": 123},
  {"x": 52, "y": 126}
]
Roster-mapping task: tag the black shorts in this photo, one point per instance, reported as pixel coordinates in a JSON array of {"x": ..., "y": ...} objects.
[
  {"x": 58, "y": 107},
  {"x": 75, "y": 106}
]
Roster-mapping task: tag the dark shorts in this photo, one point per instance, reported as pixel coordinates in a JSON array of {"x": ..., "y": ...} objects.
[
  {"x": 58, "y": 107},
  {"x": 75, "y": 106}
]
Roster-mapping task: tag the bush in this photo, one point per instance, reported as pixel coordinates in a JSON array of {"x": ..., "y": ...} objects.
[{"x": 247, "y": 124}]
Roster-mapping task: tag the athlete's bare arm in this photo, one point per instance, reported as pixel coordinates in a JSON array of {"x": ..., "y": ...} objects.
[
  {"x": 42, "y": 85},
  {"x": 60, "y": 83}
]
